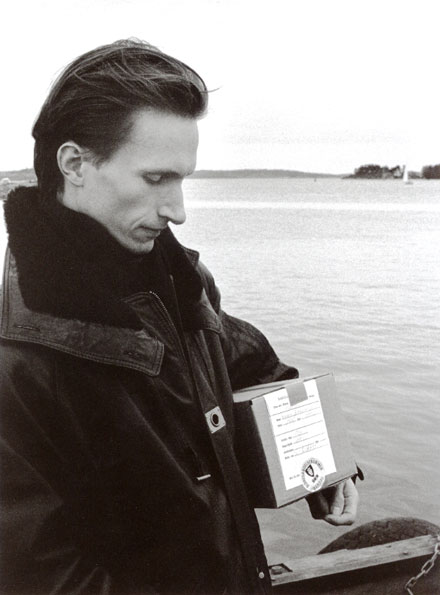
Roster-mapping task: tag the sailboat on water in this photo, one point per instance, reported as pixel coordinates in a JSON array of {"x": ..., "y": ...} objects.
[{"x": 406, "y": 179}]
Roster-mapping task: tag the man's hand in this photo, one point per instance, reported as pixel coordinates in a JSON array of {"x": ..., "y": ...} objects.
[{"x": 336, "y": 505}]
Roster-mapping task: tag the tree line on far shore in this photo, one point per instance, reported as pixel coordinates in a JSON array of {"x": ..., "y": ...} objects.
[
  {"x": 375, "y": 171},
  {"x": 431, "y": 172}
]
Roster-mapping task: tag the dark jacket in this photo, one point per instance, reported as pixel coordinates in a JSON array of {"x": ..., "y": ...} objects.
[{"x": 118, "y": 475}]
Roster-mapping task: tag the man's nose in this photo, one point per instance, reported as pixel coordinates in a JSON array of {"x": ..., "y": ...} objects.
[{"x": 171, "y": 205}]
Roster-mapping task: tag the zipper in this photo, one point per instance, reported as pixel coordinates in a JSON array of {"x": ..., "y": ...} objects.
[
  {"x": 198, "y": 466},
  {"x": 180, "y": 345}
]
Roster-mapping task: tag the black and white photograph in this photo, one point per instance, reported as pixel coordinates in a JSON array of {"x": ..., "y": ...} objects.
[{"x": 220, "y": 280}]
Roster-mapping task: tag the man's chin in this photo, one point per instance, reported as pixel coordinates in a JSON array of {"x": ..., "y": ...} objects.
[
  {"x": 136, "y": 246},
  {"x": 143, "y": 248}
]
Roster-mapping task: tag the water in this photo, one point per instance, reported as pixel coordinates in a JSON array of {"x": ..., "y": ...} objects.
[{"x": 342, "y": 276}]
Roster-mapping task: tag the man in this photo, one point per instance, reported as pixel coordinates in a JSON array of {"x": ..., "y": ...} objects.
[{"x": 117, "y": 361}]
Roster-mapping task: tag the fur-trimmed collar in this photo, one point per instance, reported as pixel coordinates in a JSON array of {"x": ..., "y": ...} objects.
[{"x": 69, "y": 265}]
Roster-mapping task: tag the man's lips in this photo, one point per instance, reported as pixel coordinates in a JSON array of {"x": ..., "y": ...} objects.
[{"x": 147, "y": 232}]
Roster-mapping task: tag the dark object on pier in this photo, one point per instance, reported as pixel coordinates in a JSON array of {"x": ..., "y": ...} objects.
[{"x": 385, "y": 557}]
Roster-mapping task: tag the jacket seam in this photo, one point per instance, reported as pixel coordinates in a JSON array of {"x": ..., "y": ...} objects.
[{"x": 99, "y": 359}]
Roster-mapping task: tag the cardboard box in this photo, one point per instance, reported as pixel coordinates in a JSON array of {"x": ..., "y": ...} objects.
[{"x": 291, "y": 440}]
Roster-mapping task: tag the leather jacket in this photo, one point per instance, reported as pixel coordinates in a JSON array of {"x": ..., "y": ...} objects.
[{"x": 117, "y": 464}]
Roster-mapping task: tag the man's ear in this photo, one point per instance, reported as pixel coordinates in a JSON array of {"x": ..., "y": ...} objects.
[{"x": 70, "y": 158}]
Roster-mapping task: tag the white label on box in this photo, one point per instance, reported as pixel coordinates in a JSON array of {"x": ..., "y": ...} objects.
[
  {"x": 278, "y": 401},
  {"x": 301, "y": 435}
]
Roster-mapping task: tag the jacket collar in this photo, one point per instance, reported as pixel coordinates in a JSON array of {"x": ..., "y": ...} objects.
[
  {"x": 130, "y": 348},
  {"x": 52, "y": 297},
  {"x": 69, "y": 265}
]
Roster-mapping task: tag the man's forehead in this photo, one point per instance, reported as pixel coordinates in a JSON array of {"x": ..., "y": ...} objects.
[
  {"x": 165, "y": 142},
  {"x": 153, "y": 126}
]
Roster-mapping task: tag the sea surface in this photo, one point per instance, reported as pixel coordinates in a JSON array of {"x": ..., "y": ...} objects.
[{"x": 341, "y": 276}]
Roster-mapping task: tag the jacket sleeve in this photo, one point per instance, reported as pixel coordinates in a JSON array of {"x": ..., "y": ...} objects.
[
  {"x": 43, "y": 547},
  {"x": 249, "y": 356}
]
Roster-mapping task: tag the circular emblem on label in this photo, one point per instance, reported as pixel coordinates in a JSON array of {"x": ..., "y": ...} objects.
[{"x": 312, "y": 474}]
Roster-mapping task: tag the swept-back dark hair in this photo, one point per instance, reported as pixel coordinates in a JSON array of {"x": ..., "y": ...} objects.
[{"x": 93, "y": 99}]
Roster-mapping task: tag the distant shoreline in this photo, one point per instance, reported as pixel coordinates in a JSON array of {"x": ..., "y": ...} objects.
[
  {"x": 258, "y": 173},
  {"x": 28, "y": 175}
]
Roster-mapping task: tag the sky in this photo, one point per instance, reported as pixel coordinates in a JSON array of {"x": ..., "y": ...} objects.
[{"x": 310, "y": 85}]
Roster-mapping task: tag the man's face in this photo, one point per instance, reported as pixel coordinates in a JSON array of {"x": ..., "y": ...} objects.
[{"x": 138, "y": 191}]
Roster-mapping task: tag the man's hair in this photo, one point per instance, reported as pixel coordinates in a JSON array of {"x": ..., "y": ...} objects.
[{"x": 93, "y": 100}]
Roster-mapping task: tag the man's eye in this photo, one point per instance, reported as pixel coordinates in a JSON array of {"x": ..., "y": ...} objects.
[{"x": 153, "y": 178}]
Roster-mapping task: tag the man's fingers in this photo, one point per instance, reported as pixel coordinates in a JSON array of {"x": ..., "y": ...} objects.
[
  {"x": 339, "y": 520},
  {"x": 348, "y": 510},
  {"x": 337, "y": 504},
  {"x": 351, "y": 498}
]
